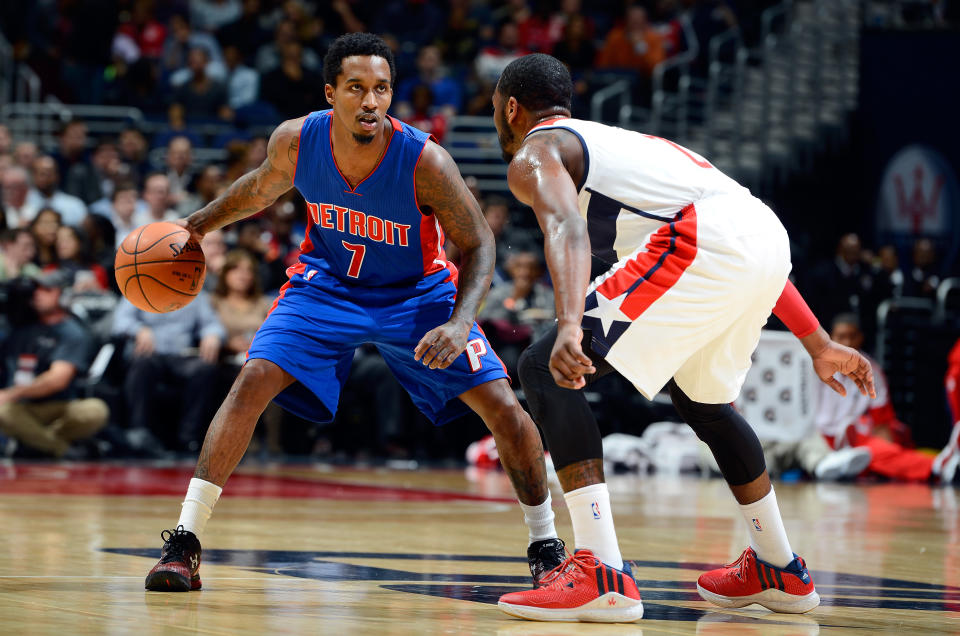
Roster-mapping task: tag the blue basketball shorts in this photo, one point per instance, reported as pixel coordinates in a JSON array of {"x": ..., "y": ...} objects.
[{"x": 318, "y": 322}]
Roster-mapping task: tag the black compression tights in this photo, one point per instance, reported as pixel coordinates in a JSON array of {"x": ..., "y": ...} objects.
[{"x": 571, "y": 430}]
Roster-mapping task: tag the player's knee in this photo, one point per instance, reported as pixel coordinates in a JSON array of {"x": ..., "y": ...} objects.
[
  {"x": 505, "y": 416},
  {"x": 258, "y": 377}
]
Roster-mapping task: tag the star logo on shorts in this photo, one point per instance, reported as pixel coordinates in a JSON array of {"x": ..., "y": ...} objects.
[{"x": 599, "y": 308}]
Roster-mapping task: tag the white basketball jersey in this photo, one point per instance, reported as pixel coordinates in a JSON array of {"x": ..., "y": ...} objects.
[{"x": 634, "y": 183}]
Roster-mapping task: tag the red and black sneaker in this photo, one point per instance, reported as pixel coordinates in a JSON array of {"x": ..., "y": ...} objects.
[
  {"x": 544, "y": 556},
  {"x": 749, "y": 580},
  {"x": 582, "y": 588},
  {"x": 179, "y": 566}
]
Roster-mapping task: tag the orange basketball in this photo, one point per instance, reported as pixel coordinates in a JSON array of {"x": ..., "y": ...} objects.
[{"x": 159, "y": 268}]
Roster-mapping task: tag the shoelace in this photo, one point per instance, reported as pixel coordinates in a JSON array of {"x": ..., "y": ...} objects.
[
  {"x": 173, "y": 547},
  {"x": 572, "y": 562}
]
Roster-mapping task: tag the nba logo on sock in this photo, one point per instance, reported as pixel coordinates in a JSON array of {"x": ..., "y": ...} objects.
[
  {"x": 596, "y": 510},
  {"x": 756, "y": 524}
]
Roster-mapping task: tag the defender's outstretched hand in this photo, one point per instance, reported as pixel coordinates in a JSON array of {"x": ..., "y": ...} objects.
[{"x": 836, "y": 358}]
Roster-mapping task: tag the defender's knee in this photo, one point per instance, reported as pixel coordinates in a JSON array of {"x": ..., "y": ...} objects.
[{"x": 533, "y": 368}]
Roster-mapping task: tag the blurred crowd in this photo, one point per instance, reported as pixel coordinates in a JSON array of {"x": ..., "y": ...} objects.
[{"x": 88, "y": 375}]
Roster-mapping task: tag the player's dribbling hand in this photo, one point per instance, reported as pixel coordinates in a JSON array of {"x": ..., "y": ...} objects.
[
  {"x": 185, "y": 223},
  {"x": 836, "y": 358},
  {"x": 440, "y": 346},
  {"x": 568, "y": 362}
]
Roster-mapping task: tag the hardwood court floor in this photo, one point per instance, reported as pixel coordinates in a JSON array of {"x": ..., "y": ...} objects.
[{"x": 297, "y": 550}]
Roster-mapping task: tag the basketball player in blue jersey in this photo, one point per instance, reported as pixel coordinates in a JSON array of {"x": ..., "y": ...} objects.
[
  {"x": 380, "y": 196},
  {"x": 696, "y": 266}
]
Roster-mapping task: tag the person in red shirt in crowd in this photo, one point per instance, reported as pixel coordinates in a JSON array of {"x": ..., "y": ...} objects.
[
  {"x": 145, "y": 30},
  {"x": 860, "y": 421},
  {"x": 949, "y": 458}
]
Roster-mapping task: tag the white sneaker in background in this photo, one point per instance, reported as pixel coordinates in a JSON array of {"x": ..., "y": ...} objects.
[{"x": 843, "y": 463}]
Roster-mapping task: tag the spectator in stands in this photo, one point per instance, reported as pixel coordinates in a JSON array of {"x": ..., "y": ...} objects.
[
  {"x": 105, "y": 169},
  {"x": 100, "y": 242},
  {"x": 210, "y": 15},
  {"x": 146, "y": 31},
  {"x": 841, "y": 285},
  {"x": 576, "y": 49},
  {"x": 85, "y": 51},
  {"x": 534, "y": 30},
  {"x": 293, "y": 89},
  {"x": 270, "y": 56},
  {"x": 247, "y": 32},
  {"x": 201, "y": 95},
  {"x": 634, "y": 46},
  {"x": 578, "y": 52},
  {"x": 243, "y": 83},
  {"x": 18, "y": 208},
  {"x": 156, "y": 194},
  {"x": 214, "y": 248},
  {"x": 239, "y": 302},
  {"x": 856, "y": 420},
  {"x": 182, "y": 40},
  {"x": 44, "y": 229},
  {"x": 25, "y": 153},
  {"x": 924, "y": 277},
  {"x": 45, "y": 192},
  {"x": 518, "y": 309},
  {"x": 17, "y": 248},
  {"x": 41, "y": 406},
  {"x": 133, "y": 148},
  {"x": 124, "y": 215},
  {"x": 179, "y": 350},
  {"x": 178, "y": 161},
  {"x": 887, "y": 275},
  {"x": 709, "y": 19},
  {"x": 423, "y": 113},
  {"x": 446, "y": 91},
  {"x": 73, "y": 162},
  {"x": 468, "y": 24},
  {"x": 493, "y": 59},
  {"x": 73, "y": 259},
  {"x": 208, "y": 184}
]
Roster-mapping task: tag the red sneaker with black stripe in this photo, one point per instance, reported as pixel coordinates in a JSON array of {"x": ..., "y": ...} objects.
[
  {"x": 179, "y": 566},
  {"x": 749, "y": 580},
  {"x": 582, "y": 588}
]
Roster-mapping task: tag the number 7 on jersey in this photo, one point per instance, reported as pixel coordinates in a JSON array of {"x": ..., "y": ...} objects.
[{"x": 357, "y": 259}]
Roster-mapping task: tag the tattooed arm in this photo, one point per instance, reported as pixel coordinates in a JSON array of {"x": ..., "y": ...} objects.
[
  {"x": 442, "y": 192},
  {"x": 258, "y": 188}
]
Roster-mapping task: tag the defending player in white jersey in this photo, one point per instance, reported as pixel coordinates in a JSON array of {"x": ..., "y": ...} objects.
[{"x": 697, "y": 265}]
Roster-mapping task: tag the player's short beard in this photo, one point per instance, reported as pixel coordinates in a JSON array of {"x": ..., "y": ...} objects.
[
  {"x": 363, "y": 139},
  {"x": 506, "y": 137}
]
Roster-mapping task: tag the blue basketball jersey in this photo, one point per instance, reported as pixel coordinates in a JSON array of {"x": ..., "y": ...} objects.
[{"x": 373, "y": 234}]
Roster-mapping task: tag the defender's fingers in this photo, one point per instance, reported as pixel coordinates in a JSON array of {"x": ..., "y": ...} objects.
[{"x": 836, "y": 386}]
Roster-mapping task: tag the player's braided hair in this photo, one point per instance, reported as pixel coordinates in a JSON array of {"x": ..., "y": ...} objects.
[
  {"x": 355, "y": 44},
  {"x": 538, "y": 81}
]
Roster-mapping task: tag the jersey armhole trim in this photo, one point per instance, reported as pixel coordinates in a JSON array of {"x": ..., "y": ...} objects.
[
  {"x": 416, "y": 201},
  {"x": 296, "y": 162}
]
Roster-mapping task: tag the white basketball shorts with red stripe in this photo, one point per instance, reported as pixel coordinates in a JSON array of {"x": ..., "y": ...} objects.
[{"x": 690, "y": 303}]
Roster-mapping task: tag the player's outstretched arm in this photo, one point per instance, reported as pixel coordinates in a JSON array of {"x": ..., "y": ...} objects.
[
  {"x": 442, "y": 192},
  {"x": 258, "y": 188},
  {"x": 538, "y": 177}
]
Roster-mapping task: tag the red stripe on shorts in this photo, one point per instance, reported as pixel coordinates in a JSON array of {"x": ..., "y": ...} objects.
[{"x": 649, "y": 275}]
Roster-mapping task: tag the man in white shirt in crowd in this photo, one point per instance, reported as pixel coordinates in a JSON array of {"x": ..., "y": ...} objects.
[{"x": 16, "y": 185}]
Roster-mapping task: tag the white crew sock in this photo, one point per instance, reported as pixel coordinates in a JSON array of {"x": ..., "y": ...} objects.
[
  {"x": 198, "y": 505},
  {"x": 539, "y": 520},
  {"x": 767, "y": 536},
  {"x": 593, "y": 523}
]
